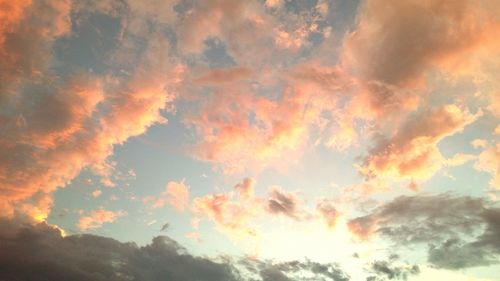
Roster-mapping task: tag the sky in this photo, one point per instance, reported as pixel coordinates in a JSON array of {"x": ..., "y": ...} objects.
[{"x": 267, "y": 140}]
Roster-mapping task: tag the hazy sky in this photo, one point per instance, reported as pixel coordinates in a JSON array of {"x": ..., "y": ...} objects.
[{"x": 250, "y": 140}]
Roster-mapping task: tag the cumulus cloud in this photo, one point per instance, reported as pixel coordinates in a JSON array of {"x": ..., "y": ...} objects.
[
  {"x": 328, "y": 212},
  {"x": 236, "y": 23},
  {"x": 221, "y": 76},
  {"x": 246, "y": 188},
  {"x": 230, "y": 216},
  {"x": 53, "y": 124},
  {"x": 256, "y": 109},
  {"x": 489, "y": 161},
  {"x": 175, "y": 193},
  {"x": 96, "y": 193},
  {"x": 412, "y": 153},
  {"x": 394, "y": 44},
  {"x": 97, "y": 218},
  {"x": 178, "y": 195},
  {"x": 458, "y": 231},
  {"x": 240, "y": 131},
  {"x": 235, "y": 213},
  {"x": 25, "y": 39}
]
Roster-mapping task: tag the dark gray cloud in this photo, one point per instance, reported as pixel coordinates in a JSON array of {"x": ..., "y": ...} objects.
[
  {"x": 294, "y": 270},
  {"x": 40, "y": 252},
  {"x": 387, "y": 270},
  {"x": 286, "y": 203},
  {"x": 459, "y": 231},
  {"x": 165, "y": 227}
]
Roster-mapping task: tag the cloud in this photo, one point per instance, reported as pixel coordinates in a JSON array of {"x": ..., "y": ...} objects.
[
  {"x": 246, "y": 188},
  {"x": 235, "y": 213},
  {"x": 412, "y": 153},
  {"x": 234, "y": 218},
  {"x": 295, "y": 270},
  {"x": 489, "y": 161},
  {"x": 97, "y": 218},
  {"x": 58, "y": 124},
  {"x": 394, "y": 45},
  {"x": 458, "y": 231},
  {"x": 165, "y": 227},
  {"x": 238, "y": 130},
  {"x": 175, "y": 193},
  {"x": 90, "y": 257},
  {"x": 178, "y": 195},
  {"x": 280, "y": 202},
  {"x": 221, "y": 76},
  {"x": 96, "y": 193},
  {"x": 328, "y": 212},
  {"x": 387, "y": 270},
  {"x": 25, "y": 39},
  {"x": 236, "y": 23}
]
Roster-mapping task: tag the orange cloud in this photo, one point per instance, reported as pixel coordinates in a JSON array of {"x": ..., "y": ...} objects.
[
  {"x": 489, "y": 161},
  {"x": 230, "y": 217},
  {"x": 236, "y": 22},
  {"x": 221, "y": 76},
  {"x": 235, "y": 216},
  {"x": 26, "y": 35},
  {"x": 97, "y": 218},
  {"x": 395, "y": 44},
  {"x": 412, "y": 152},
  {"x": 328, "y": 212},
  {"x": 246, "y": 188},
  {"x": 66, "y": 124},
  {"x": 96, "y": 193},
  {"x": 241, "y": 131},
  {"x": 363, "y": 228},
  {"x": 177, "y": 195}
]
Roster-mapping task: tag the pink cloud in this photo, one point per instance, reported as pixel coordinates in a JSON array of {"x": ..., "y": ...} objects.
[
  {"x": 72, "y": 123},
  {"x": 97, "y": 218},
  {"x": 328, "y": 212},
  {"x": 411, "y": 153},
  {"x": 178, "y": 195},
  {"x": 246, "y": 188},
  {"x": 489, "y": 161},
  {"x": 96, "y": 193},
  {"x": 221, "y": 76},
  {"x": 230, "y": 217},
  {"x": 239, "y": 130},
  {"x": 394, "y": 45},
  {"x": 236, "y": 216},
  {"x": 363, "y": 228},
  {"x": 175, "y": 193}
]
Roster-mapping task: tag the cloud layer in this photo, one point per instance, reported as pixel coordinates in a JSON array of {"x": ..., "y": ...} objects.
[{"x": 40, "y": 252}]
